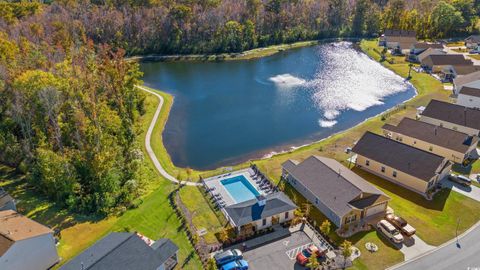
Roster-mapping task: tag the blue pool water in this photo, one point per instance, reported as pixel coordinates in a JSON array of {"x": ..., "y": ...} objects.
[{"x": 240, "y": 189}]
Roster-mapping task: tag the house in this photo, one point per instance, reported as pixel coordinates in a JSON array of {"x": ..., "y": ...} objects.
[
  {"x": 472, "y": 80},
  {"x": 25, "y": 244},
  {"x": 472, "y": 42},
  {"x": 123, "y": 251},
  {"x": 469, "y": 97},
  {"x": 341, "y": 195},
  {"x": 262, "y": 212},
  {"x": 399, "y": 41},
  {"x": 401, "y": 164},
  {"x": 420, "y": 47},
  {"x": 452, "y": 116},
  {"x": 428, "y": 52},
  {"x": 451, "y": 144},
  {"x": 435, "y": 63},
  {"x": 6, "y": 201},
  {"x": 449, "y": 73}
]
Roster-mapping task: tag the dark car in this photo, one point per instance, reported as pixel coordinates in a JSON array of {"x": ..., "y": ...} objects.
[
  {"x": 228, "y": 256},
  {"x": 302, "y": 257},
  {"x": 460, "y": 179}
]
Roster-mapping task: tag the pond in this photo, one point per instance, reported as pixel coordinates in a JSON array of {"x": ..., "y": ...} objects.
[{"x": 228, "y": 112}]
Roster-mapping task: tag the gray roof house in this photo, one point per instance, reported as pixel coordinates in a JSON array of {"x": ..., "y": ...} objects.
[
  {"x": 6, "y": 201},
  {"x": 451, "y": 144},
  {"x": 472, "y": 41},
  {"x": 262, "y": 212},
  {"x": 471, "y": 79},
  {"x": 341, "y": 195},
  {"x": 125, "y": 251},
  {"x": 452, "y": 116},
  {"x": 402, "y": 164}
]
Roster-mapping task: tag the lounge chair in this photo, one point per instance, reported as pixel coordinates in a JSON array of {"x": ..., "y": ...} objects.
[{"x": 252, "y": 172}]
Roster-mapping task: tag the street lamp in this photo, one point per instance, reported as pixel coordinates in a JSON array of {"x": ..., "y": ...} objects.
[
  {"x": 409, "y": 71},
  {"x": 456, "y": 232}
]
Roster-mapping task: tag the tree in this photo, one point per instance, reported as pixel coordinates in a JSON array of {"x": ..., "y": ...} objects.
[
  {"x": 223, "y": 235},
  {"x": 446, "y": 20},
  {"x": 393, "y": 14},
  {"x": 306, "y": 208},
  {"x": 346, "y": 247},
  {"x": 211, "y": 264},
  {"x": 358, "y": 24},
  {"x": 325, "y": 227},
  {"x": 313, "y": 262},
  {"x": 468, "y": 12}
]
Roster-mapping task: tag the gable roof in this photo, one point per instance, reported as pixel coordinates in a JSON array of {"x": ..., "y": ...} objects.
[
  {"x": 402, "y": 157},
  {"x": 121, "y": 250},
  {"x": 448, "y": 59},
  {"x": 16, "y": 227},
  {"x": 248, "y": 211},
  {"x": 464, "y": 70},
  {"x": 332, "y": 183},
  {"x": 425, "y": 45},
  {"x": 453, "y": 113},
  {"x": 470, "y": 91},
  {"x": 473, "y": 38},
  {"x": 428, "y": 52},
  {"x": 468, "y": 78},
  {"x": 444, "y": 137},
  {"x": 399, "y": 33}
]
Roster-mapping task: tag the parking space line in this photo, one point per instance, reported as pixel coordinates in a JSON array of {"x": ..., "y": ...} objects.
[{"x": 292, "y": 253}]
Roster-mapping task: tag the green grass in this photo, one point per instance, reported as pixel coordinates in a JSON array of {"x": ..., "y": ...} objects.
[
  {"x": 154, "y": 217},
  {"x": 203, "y": 216},
  {"x": 475, "y": 56},
  {"x": 456, "y": 44},
  {"x": 435, "y": 220}
]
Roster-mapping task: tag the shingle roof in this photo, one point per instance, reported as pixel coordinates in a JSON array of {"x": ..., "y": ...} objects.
[
  {"x": 474, "y": 38},
  {"x": 449, "y": 59},
  {"x": 470, "y": 91},
  {"x": 448, "y": 138},
  {"x": 332, "y": 183},
  {"x": 16, "y": 227},
  {"x": 468, "y": 78},
  {"x": 5, "y": 198},
  {"x": 123, "y": 251},
  {"x": 453, "y": 113},
  {"x": 402, "y": 157},
  {"x": 465, "y": 70},
  {"x": 248, "y": 211},
  {"x": 400, "y": 33},
  {"x": 425, "y": 45},
  {"x": 428, "y": 52}
]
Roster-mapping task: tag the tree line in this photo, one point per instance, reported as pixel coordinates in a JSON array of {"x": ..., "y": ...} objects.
[{"x": 68, "y": 106}]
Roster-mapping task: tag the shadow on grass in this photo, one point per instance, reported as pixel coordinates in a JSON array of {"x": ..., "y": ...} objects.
[
  {"x": 438, "y": 202},
  {"x": 361, "y": 235},
  {"x": 36, "y": 206}
]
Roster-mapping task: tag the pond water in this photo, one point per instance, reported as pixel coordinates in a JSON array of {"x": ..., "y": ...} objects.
[{"x": 229, "y": 112}]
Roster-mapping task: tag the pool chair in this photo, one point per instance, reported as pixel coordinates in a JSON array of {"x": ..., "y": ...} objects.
[{"x": 252, "y": 172}]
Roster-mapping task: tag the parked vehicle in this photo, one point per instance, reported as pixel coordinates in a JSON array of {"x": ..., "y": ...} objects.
[
  {"x": 228, "y": 256},
  {"x": 401, "y": 224},
  {"x": 460, "y": 179},
  {"x": 390, "y": 231},
  {"x": 235, "y": 265},
  {"x": 302, "y": 256}
]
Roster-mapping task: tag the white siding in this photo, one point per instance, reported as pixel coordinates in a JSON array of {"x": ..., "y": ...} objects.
[{"x": 37, "y": 253}]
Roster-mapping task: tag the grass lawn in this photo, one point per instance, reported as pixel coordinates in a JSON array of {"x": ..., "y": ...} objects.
[
  {"x": 154, "y": 217},
  {"x": 475, "y": 56},
  {"x": 456, "y": 44},
  {"x": 203, "y": 216}
]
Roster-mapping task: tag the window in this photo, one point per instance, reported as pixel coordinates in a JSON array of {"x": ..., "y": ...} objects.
[
  {"x": 383, "y": 169},
  {"x": 394, "y": 173},
  {"x": 350, "y": 219},
  {"x": 430, "y": 184},
  {"x": 286, "y": 215},
  {"x": 316, "y": 200},
  {"x": 367, "y": 162},
  {"x": 264, "y": 222},
  {"x": 414, "y": 142}
]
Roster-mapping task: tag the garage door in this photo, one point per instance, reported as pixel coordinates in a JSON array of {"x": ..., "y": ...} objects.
[{"x": 375, "y": 209}]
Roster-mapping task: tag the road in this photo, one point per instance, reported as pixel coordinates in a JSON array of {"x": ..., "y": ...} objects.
[
  {"x": 450, "y": 256},
  {"x": 148, "y": 146}
]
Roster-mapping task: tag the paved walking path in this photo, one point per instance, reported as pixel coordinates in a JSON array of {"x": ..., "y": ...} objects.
[
  {"x": 148, "y": 146},
  {"x": 471, "y": 192}
]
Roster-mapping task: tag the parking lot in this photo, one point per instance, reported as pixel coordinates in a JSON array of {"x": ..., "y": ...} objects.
[{"x": 280, "y": 254}]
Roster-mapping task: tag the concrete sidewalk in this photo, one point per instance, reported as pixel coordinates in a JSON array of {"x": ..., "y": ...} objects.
[{"x": 471, "y": 192}]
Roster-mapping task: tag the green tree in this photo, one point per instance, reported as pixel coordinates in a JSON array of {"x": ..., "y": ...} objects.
[
  {"x": 326, "y": 227},
  {"x": 211, "y": 264},
  {"x": 393, "y": 14},
  {"x": 446, "y": 20},
  {"x": 467, "y": 9},
  {"x": 359, "y": 18},
  {"x": 313, "y": 262},
  {"x": 346, "y": 248}
]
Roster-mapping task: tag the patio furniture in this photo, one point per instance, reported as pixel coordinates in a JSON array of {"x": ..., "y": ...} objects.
[{"x": 371, "y": 247}]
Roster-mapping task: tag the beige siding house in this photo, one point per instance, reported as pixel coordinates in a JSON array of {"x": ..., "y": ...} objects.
[
  {"x": 341, "y": 195},
  {"x": 436, "y": 63},
  {"x": 452, "y": 116},
  {"x": 404, "y": 165},
  {"x": 399, "y": 40},
  {"x": 448, "y": 143}
]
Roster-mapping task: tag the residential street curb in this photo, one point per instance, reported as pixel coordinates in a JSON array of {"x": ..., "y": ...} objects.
[
  {"x": 437, "y": 248},
  {"x": 148, "y": 146}
]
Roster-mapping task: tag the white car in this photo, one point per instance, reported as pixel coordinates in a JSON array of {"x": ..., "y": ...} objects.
[{"x": 390, "y": 231}]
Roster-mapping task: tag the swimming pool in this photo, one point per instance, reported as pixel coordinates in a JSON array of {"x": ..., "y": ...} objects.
[{"x": 240, "y": 188}]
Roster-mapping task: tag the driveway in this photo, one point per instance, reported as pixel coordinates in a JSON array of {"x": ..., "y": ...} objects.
[
  {"x": 414, "y": 246},
  {"x": 450, "y": 256},
  {"x": 472, "y": 191}
]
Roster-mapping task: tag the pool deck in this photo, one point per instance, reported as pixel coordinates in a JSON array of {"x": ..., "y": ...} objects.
[{"x": 214, "y": 184}]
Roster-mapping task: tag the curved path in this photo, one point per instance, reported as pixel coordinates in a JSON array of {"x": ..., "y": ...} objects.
[{"x": 148, "y": 146}]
